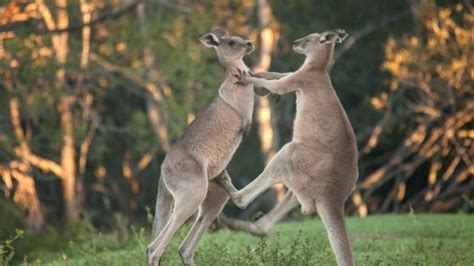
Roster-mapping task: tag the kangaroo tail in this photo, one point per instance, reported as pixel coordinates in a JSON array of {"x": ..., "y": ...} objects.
[{"x": 163, "y": 209}]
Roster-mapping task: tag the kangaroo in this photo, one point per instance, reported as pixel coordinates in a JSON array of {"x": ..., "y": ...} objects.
[
  {"x": 319, "y": 165},
  {"x": 188, "y": 172},
  {"x": 264, "y": 224}
]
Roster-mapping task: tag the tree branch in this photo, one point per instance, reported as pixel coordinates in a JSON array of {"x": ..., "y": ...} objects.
[
  {"x": 152, "y": 89},
  {"x": 51, "y": 28},
  {"x": 24, "y": 151}
]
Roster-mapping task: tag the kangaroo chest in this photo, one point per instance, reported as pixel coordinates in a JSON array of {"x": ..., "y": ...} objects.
[{"x": 219, "y": 132}]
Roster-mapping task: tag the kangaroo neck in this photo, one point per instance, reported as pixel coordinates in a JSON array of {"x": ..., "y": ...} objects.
[
  {"x": 231, "y": 66},
  {"x": 320, "y": 60}
]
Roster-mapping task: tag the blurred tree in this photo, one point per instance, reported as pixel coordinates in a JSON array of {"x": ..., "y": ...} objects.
[
  {"x": 65, "y": 170},
  {"x": 92, "y": 93},
  {"x": 431, "y": 104},
  {"x": 268, "y": 36}
]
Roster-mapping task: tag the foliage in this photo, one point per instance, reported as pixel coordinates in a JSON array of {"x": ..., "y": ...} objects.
[
  {"x": 430, "y": 103},
  {"x": 7, "y": 251}
]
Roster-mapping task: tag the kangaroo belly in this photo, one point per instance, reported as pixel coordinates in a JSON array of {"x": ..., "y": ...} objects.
[
  {"x": 319, "y": 170},
  {"x": 220, "y": 156}
]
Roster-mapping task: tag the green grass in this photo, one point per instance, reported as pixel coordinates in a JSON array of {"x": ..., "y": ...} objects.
[{"x": 376, "y": 240}]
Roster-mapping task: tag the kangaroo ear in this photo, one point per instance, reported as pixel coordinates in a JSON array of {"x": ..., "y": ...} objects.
[
  {"x": 220, "y": 32},
  {"x": 209, "y": 39}
]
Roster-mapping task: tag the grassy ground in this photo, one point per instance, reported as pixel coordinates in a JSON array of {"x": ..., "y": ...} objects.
[{"x": 377, "y": 240}]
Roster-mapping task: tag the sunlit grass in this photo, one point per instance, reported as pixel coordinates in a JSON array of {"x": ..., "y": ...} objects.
[{"x": 377, "y": 240}]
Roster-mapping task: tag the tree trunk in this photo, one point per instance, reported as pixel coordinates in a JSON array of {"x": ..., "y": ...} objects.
[
  {"x": 268, "y": 144},
  {"x": 25, "y": 194},
  {"x": 67, "y": 161}
]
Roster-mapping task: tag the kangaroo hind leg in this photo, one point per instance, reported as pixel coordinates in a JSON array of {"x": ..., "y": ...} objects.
[
  {"x": 264, "y": 225},
  {"x": 213, "y": 204},
  {"x": 188, "y": 196},
  {"x": 275, "y": 172}
]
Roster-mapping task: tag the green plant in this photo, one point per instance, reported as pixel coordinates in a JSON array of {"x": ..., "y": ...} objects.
[{"x": 7, "y": 251}]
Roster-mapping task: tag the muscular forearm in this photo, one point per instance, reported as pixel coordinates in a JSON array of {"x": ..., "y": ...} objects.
[
  {"x": 270, "y": 75},
  {"x": 281, "y": 86},
  {"x": 261, "y": 91}
]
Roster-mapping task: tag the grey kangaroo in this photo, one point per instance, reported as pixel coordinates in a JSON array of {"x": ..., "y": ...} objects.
[
  {"x": 319, "y": 165},
  {"x": 188, "y": 172}
]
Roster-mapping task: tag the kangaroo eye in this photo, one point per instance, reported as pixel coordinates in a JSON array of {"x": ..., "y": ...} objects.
[{"x": 231, "y": 43}]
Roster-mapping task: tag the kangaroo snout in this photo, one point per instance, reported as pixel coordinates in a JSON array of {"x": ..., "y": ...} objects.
[
  {"x": 297, "y": 42},
  {"x": 299, "y": 45}
]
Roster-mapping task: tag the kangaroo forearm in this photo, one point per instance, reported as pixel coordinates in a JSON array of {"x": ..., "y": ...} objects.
[
  {"x": 281, "y": 86},
  {"x": 271, "y": 75}
]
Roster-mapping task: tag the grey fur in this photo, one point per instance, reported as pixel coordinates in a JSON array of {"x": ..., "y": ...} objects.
[
  {"x": 188, "y": 171},
  {"x": 319, "y": 165}
]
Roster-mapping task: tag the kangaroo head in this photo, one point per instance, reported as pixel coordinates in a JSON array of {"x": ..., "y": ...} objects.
[
  {"x": 228, "y": 48},
  {"x": 311, "y": 44}
]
